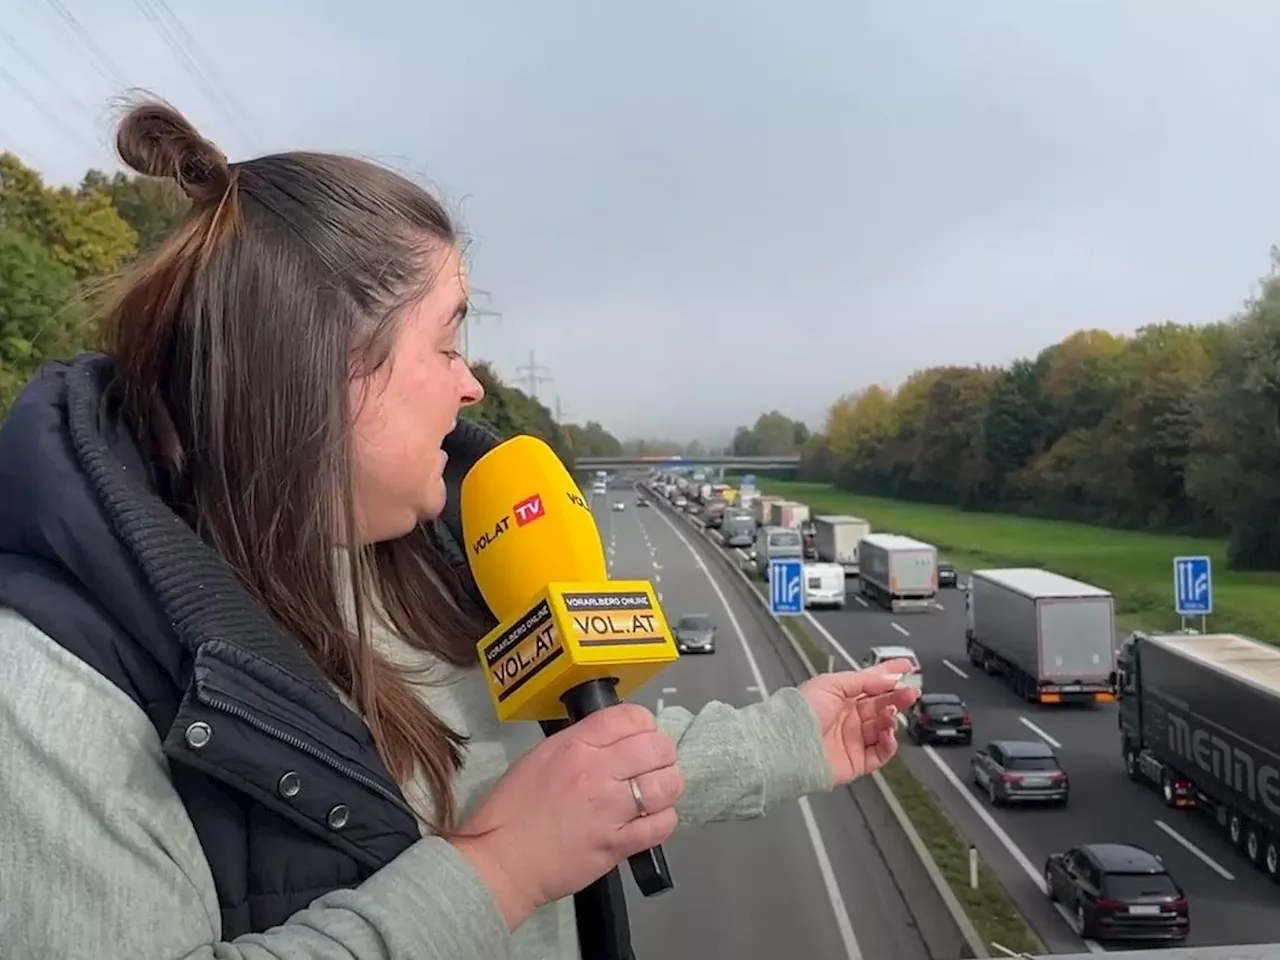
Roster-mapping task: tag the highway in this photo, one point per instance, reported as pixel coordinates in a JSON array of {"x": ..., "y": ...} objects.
[
  {"x": 807, "y": 880},
  {"x": 1230, "y": 902}
]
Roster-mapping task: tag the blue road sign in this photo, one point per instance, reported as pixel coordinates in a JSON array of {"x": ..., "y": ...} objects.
[
  {"x": 786, "y": 587},
  {"x": 1192, "y": 586}
]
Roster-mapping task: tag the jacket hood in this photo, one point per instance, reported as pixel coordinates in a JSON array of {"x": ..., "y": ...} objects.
[{"x": 51, "y": 509}]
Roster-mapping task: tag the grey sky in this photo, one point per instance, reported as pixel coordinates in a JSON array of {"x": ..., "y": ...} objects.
[{"x": 694, "y": 211}]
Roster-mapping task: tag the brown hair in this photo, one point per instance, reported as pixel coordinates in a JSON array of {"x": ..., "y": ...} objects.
[{"x": 234, "y": 345}]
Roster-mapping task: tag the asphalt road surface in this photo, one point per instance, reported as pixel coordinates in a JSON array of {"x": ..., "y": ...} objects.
[
  {"x": 805, "y": 881},
  {"x": 1230, "y": 902}
]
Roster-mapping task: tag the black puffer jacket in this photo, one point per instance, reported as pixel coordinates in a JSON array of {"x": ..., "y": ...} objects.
[{"x": 92, "y": 556}]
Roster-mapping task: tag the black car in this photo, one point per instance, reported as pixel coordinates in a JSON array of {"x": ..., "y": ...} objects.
[
  {"x": 1020, "y": 771},
  {"x": 940, "y": 718},
  {"x": 641, "y": 502},
  {"x": 946, "y": 573},
  {"x": 1117, "y": 891},
  {"x": 695, "y": 633}
]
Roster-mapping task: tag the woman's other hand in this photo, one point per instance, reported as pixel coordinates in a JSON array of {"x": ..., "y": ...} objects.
[
  {"x": 565, "y": 814},
  {"x": 857, "y": 712}
]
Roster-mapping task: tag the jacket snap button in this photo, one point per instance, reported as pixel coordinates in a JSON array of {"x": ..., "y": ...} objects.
[
  {"x": 198, "y": 735},
  {"x": 338, "y": 817},
  {"x": 289, "y": 784}
]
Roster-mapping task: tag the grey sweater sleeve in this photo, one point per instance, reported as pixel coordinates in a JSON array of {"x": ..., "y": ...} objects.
[
  {"x": 739, "y": 764},
  {"x": 98, "y": 857}
]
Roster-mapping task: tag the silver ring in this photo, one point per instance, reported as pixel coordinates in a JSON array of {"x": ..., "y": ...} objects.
[{"x": 638, "y": 797}]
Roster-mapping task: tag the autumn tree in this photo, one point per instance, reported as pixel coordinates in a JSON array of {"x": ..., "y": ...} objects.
[{"x": 1175, "y": 428}]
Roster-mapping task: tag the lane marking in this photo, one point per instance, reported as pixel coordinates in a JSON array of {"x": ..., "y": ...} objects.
[
  {"x": 659, "y": 710},
  {"x": 753, "y": 689},
  {"x": 843, "y": 923},
  {"x": 1195, "y": 851},
  {"x": 1040, "y": 733},
  {"x": 1002, "y": 837},
  {"x": 1093, "y": 946},
  {"x": 861, "y": 600},
  {"x": 668, "y": 689},
  {"x": 900, "y": 628},
  {"x": 954, "y": 669}
]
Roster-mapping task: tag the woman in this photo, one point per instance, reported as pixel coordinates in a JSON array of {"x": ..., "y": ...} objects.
[{"x": 239, "y": 700}]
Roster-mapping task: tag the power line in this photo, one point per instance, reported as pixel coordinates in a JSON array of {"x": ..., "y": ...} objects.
[
  {"x": 532, "y": 374},
  {"x": 51, "y": 115},
  {"x": 172, "y": 39},
  {"x": 475, "y": 314},
  {"x": 46, "y": 75},
  {"x": 102, "y": 63}
]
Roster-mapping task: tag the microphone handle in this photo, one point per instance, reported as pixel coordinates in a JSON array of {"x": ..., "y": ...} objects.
[{"x": 648, "y": 867}]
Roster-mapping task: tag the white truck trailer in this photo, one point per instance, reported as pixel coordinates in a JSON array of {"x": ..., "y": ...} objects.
[
  {"x": 897, "y": 572},
  {"x": 1052, "y": 638},
  {"x": 837, "y": 537}
]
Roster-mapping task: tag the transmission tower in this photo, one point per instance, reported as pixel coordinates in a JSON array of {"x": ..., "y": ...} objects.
[
  {"x": 532, "y": 374},
  {"x": 561, "y": 416},
  {"x": 475, "y": 315}
]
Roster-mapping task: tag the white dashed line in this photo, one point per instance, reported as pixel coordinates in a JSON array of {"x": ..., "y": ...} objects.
[
  {"x": 659, "y": 710},
  {"x": 900, "y": 628},
  {"x": 852, "y": 950},
  {"x": 668, "y": 689},
  {"x": 954, "y": 669},
  {"x": 1040, "y": 733},
  {"x": 861, "y": 601},
  {"x": 1195, "y": 851}
]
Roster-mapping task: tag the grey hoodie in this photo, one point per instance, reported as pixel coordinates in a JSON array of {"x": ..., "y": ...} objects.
[{"x": 98, "y": 857}]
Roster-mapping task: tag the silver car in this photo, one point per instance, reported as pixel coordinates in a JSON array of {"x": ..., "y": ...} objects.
[{"x": 695, "y": 633}]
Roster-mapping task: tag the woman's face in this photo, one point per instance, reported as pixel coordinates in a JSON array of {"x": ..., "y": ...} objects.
[{"x": 405, "y": 409}]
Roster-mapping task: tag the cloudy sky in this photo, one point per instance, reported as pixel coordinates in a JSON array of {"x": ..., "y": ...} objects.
[{"x": 689, "y": 212}]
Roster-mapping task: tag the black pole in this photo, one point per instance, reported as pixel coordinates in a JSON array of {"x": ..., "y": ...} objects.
[{"x": 648, "y": 867}]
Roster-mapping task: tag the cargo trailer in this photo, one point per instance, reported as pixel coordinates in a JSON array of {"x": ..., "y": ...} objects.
[
  {"x": 1198, "y": 720},
  {"x": 837, "y": 537},
  {"x": 1051, "y": 637},
  {"x": 897, "y": 572}
]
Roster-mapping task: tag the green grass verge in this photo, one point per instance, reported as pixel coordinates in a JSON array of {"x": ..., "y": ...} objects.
[
  {"x": 1136, "y": 567},
  {"x": 989, "y": 907},
  {"x": 993, "y": 914}
]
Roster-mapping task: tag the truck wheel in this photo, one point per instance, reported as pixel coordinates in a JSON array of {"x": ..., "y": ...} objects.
[
  {"x": 1253, "y": 844},
  {"x": 1235, "y": 829},
  {"x": 1271, "y": 860},
  {"x": 1131, "y": 765},
  {"x": 1166, "y": 787}
]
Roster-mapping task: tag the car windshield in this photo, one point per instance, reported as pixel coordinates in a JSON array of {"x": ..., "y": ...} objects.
[
  {"x": 1135, "y": 886},
  {"x": 944, "y": 709},
  {"x": 695, "y": 623},
  {"x": 1031, "y": 763}
]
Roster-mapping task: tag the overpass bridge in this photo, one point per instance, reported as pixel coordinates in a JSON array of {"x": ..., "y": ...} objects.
[{"x": 782, "y": 461}]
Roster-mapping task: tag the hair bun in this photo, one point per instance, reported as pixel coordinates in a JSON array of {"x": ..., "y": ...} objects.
[{"x": 157, "y": 141}]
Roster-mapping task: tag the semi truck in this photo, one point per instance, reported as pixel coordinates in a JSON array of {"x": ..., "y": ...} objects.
[
  {"x": 836, "y": 538},
  {"x": 788, "y": 513},
  {"x": 1052, "y": 638},
  {"x": 897, "y": 572},
  {"x": 1197, "y": 721}
]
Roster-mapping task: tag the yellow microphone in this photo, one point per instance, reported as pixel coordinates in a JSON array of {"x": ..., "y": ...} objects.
[{"x": 569, "y": 640}]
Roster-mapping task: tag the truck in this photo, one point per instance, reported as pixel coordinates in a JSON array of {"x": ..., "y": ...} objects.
[
  {"x": 1198, "y": 722},
  {"x": 760, "y": 508},
  {"x": 837, "y": 536},
  {"x": 788, "y": 513},
  {"x": 897, "y": 572},
  {"x": 824, "y": 585},
  {"x": 1050, "y": 637}
]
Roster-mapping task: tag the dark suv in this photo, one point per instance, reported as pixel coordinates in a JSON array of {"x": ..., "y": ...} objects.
[
  {"x": 946, "y": 573},
  {"x": 1117, "y": 891},
  {"x": 940, "y": 718}
]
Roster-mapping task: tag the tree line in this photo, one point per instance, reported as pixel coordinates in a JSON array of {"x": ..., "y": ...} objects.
[
  {"x": 60, "y": 246},
  {"x": 1173, "y": 429}
]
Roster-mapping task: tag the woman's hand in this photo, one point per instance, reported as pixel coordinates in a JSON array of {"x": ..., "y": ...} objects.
[
  {"x": 857, "y": 712},
  {"x": 565, "y": 814}
]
